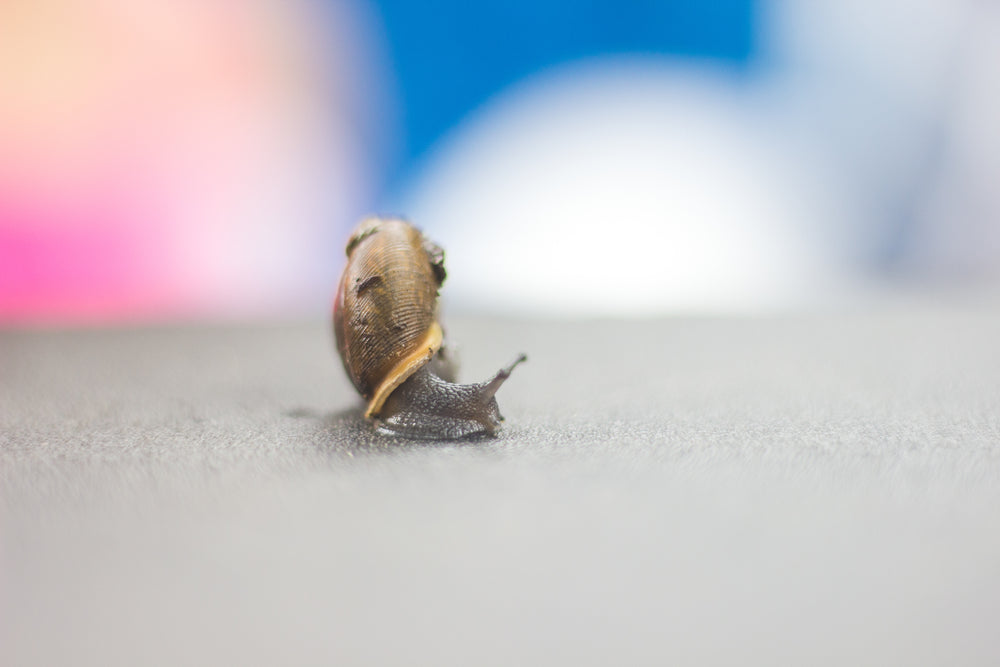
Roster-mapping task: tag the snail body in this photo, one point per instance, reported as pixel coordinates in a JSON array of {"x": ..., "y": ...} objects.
[{"x": 385, "y": 321}]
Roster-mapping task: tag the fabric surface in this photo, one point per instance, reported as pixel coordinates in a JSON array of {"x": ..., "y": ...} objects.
[{"x": 798, "y": 490}]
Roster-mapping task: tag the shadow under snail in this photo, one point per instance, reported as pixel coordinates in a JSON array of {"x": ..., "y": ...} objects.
[{"x": 385, "y": 319}]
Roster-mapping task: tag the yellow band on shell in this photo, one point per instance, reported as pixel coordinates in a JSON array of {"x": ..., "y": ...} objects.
[{"x": 406, "y": 367}]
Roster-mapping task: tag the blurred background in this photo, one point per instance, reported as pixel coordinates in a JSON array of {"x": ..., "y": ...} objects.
[{"x": 177, "y": 160}]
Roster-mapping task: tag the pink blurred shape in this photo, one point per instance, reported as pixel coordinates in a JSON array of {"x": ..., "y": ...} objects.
[
  {"x": 81, "y": 261},
  {"x": 162, "y": 159}
]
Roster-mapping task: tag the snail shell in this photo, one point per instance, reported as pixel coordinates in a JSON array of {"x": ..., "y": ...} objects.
[
  {"x": 391, "y": 344},
  {"x": 385, "y": 314}
]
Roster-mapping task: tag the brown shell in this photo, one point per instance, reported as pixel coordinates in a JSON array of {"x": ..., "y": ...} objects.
[{"x": 385, "y": 312}]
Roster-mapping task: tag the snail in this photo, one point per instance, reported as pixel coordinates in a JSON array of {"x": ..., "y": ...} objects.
[{"x": 385, "y": 320}]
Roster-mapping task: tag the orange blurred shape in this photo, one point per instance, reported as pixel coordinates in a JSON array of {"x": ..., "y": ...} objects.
[{"x": 137, "y": 142}]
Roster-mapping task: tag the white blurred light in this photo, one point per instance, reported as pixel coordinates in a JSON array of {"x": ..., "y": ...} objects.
[
  {"x": 622, "y": 188},
  {"x": 900, "y": 98},
  {"x": 858, "y": 151}
]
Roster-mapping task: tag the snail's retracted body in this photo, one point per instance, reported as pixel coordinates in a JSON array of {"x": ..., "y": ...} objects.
[{"x": 390, "y": 341}]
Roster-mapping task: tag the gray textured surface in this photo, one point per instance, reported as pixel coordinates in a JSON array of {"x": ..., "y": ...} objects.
[{"x": 799, "y": 490}]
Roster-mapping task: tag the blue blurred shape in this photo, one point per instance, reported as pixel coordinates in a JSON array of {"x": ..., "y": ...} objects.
[{"x": 449, "y": 56}]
